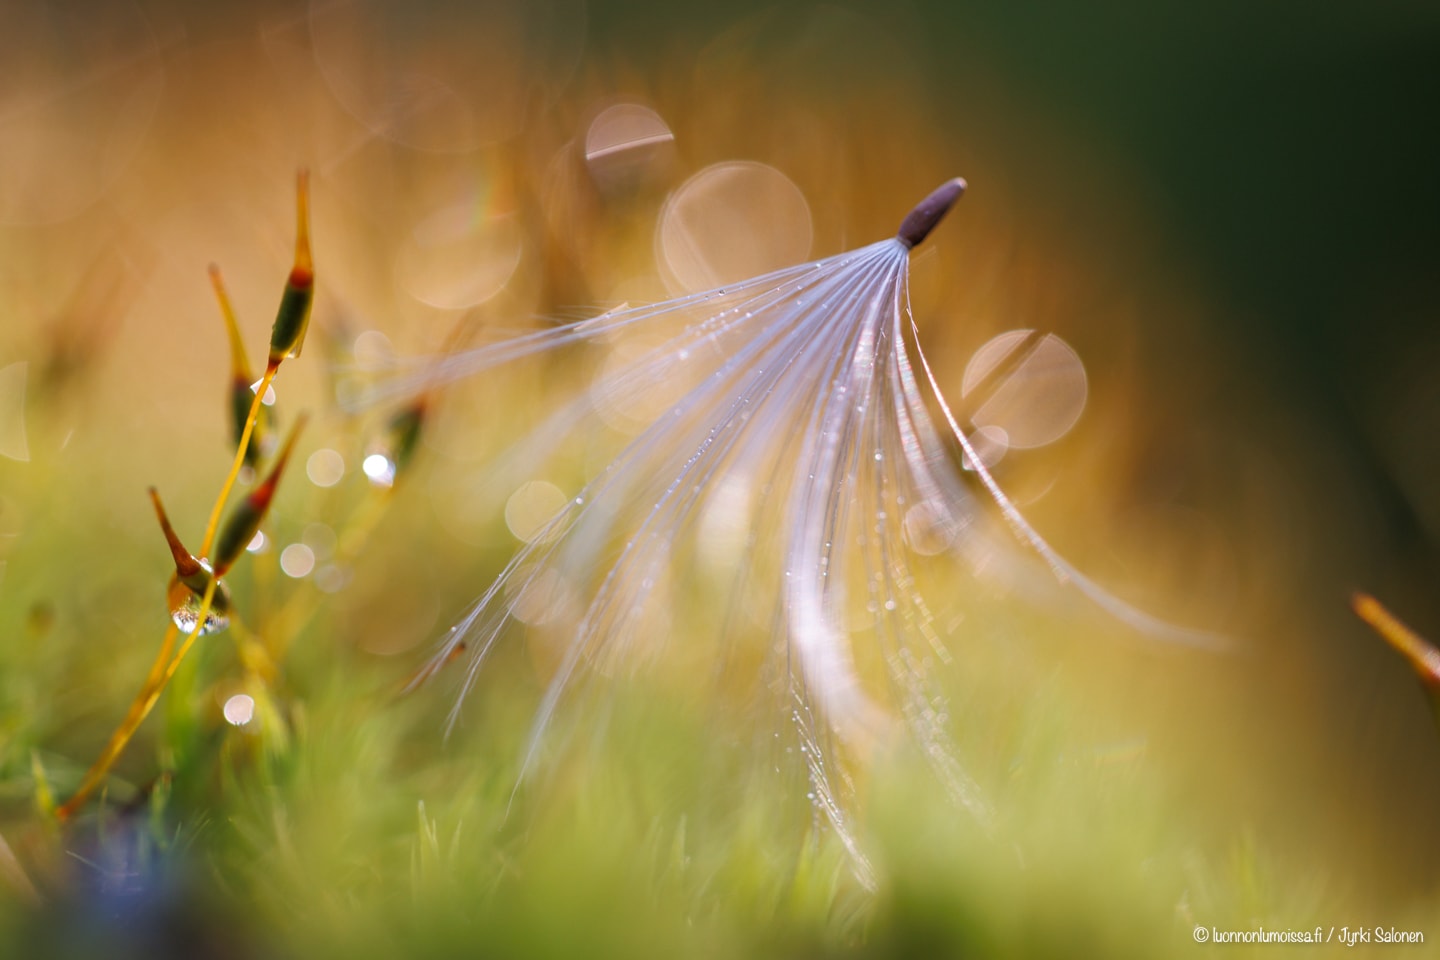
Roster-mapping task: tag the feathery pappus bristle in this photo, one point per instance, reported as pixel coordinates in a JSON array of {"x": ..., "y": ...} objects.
[{"x": 784, "y": 463}]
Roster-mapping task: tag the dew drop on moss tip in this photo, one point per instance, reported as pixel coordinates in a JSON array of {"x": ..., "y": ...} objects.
[
  {"x": 185, "y": 607},
  {"x": 380, "y": 470}
]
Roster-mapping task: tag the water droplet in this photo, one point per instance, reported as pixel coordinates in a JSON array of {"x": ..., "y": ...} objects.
[
  {"x": 373, "y": 350},
  {"x": 1031, "y": 387},
  {"x": 297, "y": 560},
  {"x": 540, "y": 596},
  {"x": 332, "y": 579},
  {"x": 531, "y": 507},
  {"x": 929, "y": 528},
  {"x": 990, "y": 443},
  {"x": 379, "y": 470},
  {"x": 731, "y": 221},
  {"x": 460, "y": 255},
  {"x": 626, "y": 143},
  {"x": 325, "y": 467},
  {"x": 320, "y": 539},
  {"x": 239, "y": 709},
  {"x": 185, "y": 608},
  {"x": 269, "y": 398}
]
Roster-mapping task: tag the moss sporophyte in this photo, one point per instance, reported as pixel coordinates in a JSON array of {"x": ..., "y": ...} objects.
[{"x": 198, "y": 599}]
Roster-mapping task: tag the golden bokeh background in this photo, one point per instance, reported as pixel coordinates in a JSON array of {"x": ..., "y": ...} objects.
[{"x": 1227, "y": 218}]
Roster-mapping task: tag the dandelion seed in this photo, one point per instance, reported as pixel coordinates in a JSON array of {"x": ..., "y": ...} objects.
[{"x": 802, "y": 416}]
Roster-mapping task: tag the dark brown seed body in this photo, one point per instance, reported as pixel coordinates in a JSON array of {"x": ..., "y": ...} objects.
[{"x": 928, "y": 212}]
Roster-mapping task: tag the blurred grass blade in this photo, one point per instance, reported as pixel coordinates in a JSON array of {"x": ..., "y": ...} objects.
[{"x": 1422, "y": 655}]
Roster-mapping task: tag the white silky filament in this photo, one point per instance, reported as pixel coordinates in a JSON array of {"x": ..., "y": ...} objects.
[{"x": 799, "y": 412}]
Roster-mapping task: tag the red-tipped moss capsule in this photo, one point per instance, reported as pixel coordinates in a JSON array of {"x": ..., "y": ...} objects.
[
  {"x": 241, "y": 394},
  {"x": 287, "y": 336},
  {"x": 192, "y": 578},
  {"x": 249, "y": 513}
]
